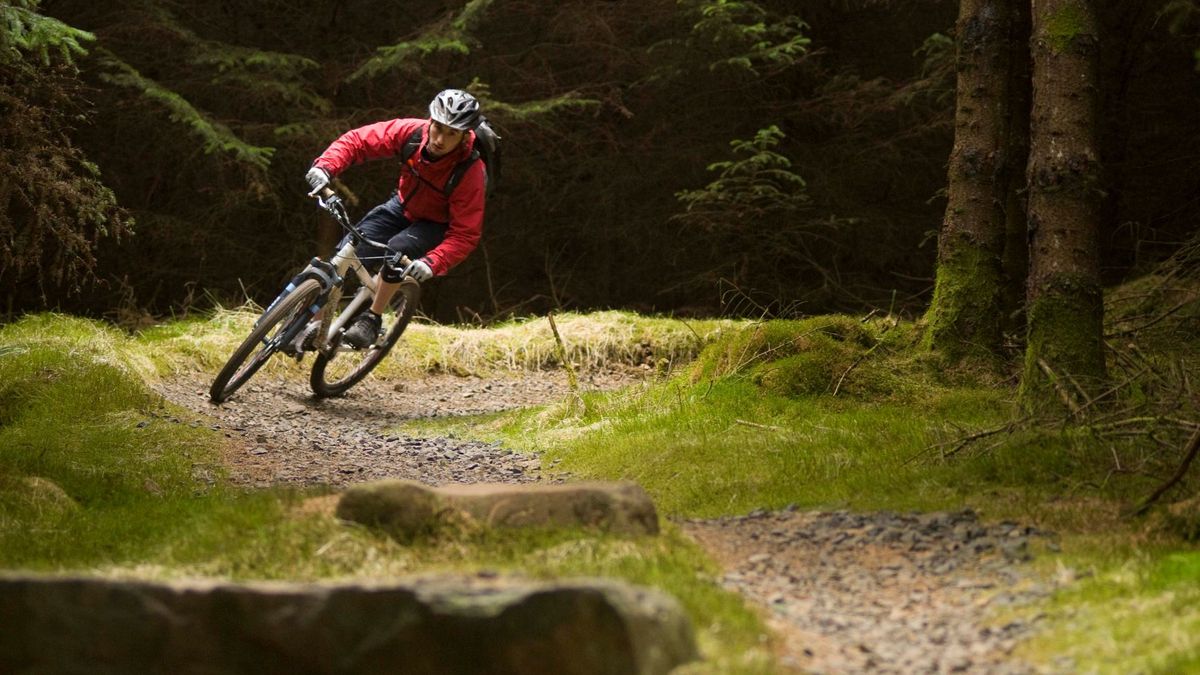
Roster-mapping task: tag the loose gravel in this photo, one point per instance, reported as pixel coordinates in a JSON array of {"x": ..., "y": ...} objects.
[
  {"x": 881, "y": 592},
  {"x": 845, "y": 593},
  {"x": 281, "y": 434}
]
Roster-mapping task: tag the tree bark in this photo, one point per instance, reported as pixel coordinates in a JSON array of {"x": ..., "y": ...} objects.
[
  {"x": 1016, "y": 224},
  {"x": 1064, "y": 303},
  {"x": 964, "y": 319}
]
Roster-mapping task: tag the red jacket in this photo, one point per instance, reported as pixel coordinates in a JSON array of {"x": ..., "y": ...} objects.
[{"x": 422, "y": 197}]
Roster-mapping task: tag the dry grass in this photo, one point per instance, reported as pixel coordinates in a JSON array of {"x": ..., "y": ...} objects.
[{"x": 592, "y": 341}]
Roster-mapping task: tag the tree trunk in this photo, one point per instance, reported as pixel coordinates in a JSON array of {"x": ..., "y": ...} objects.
[
  {"x": 964, "y": 318},
  {"x": 1016, "y": 224},
  {"x": 1064, "y": 355}
]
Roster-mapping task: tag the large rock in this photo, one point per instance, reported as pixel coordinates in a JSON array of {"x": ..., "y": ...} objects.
[
  {"x": 435, "y": 626},
  {"x": 407, "y": 508}
]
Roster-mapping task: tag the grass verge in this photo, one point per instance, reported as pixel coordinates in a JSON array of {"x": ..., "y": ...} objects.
[
  {"x": 98, "y": 474},
  {"x": 833, "y": 412}
]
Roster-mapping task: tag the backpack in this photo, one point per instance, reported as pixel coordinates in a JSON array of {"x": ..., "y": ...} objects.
[{"x": 487, "y": 148}]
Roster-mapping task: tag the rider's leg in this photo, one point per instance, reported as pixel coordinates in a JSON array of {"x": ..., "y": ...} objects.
[
  {"x": 413, "y": 241},
  {"x": 384, "y": 290},
  {"x": 381, "y": 224}
]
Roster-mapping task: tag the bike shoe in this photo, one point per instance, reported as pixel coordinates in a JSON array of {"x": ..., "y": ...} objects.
[{"x": 364, "y": 331}]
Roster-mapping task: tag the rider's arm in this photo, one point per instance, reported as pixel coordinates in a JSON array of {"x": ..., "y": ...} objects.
[
  {"x": 466, "y": 222},
  {"x": 374, "y": 141}
]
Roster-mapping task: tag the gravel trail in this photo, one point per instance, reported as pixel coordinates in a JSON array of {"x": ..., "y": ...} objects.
[
  {"x": 846, "y": 593},
  {"x": 282, "y": 434},
  {"x": 880, "y": 592}
]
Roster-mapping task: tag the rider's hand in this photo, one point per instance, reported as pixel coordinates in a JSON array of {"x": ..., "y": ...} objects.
[
  {"x": 419, "y": 269},
  {"x": 318, "y": 178}
]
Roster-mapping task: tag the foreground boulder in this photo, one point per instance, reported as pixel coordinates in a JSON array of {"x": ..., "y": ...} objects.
[
  {"x": 406, "y": 508},
  {"x": 438, "y": 625}
]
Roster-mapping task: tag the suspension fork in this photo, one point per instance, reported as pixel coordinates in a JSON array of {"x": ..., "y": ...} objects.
[{"x": 323, "y": 272}]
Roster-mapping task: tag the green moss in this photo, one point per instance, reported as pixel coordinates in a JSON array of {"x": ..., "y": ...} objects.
[
  {"x": 812, "y": 373},
  {"x": 1061, "y": 28},
  {"x": 836, "y": 356},
  {"x": 832, "y": 368},
  {"x": 743, "y": 350},
  {"x": 1066, "y": 334},
  {"x": 965, "y": 318}
]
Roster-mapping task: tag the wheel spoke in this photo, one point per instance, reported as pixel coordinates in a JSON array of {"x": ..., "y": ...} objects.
[
  {"x": 336, "y": 372},
  {"x": 265, "y": 339}
]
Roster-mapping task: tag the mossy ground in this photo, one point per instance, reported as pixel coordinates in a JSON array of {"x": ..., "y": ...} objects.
[
  {"x": 840, "y": 412},
  {"x": 97, "y": 473},
  {"x": 100, "y": 475}
]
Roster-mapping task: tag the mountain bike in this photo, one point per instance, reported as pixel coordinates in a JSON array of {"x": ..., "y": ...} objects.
[{"x": 322, "y": 285}]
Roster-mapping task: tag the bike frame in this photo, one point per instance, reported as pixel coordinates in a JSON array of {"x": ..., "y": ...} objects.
[
  {"x": 323, "y": 284},
  {"x": 345, "y": 260},
  {"x": 342, "y": 262}
]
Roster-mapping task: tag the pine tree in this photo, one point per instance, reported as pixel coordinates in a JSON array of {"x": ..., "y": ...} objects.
[
  {"x": 54, "y": 207},
  {"x": 966, "y": 315},
  {"x": 1064, "y": 356}
]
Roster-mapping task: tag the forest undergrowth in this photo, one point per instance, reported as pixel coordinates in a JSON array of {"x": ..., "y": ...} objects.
[
  {"x": 843, "y": 412},
  {"x": 828, "y": 412}
]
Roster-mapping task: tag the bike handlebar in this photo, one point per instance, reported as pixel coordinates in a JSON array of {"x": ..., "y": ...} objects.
[{"x": 332, "y": 202}]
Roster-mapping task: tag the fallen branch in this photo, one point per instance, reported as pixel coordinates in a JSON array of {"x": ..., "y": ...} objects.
[
  {"x": 1193, "y": 445},
  {"x": 1058, "y": 387},
  {"x": 963, "y": 442},
  {"x": 1152, "y": 421}
]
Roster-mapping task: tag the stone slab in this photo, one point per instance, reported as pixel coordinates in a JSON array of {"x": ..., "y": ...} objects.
[
  {"x": 432, "y": 625},
  {"x": 407, "y": 508}
]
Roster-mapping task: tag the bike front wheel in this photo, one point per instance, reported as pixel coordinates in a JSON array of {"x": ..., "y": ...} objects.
[
  {"x": 335, "y": 372},
  {"x": 282, "y": 322}
]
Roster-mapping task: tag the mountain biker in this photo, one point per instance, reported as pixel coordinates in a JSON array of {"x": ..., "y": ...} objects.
[{"x": 435, "y": 230}]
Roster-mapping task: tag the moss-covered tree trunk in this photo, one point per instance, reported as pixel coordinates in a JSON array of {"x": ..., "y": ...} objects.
[
  {"x": 964, "y": 319},
  {"x": 1064, "y": 357}
]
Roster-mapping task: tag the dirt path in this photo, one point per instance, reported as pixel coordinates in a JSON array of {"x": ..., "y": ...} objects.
[{"x": 846, "y": 593}]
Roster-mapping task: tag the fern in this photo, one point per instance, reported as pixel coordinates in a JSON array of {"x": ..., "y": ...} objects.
[
  {"x": 227, "y": 58},
  {"x": 529, "y": 110},
  {"x": 269, "y": 77},
  {"x": 274, "y": 91},
  {"x": 54, "y": 207},
  {"x": 747, "y": 35}
]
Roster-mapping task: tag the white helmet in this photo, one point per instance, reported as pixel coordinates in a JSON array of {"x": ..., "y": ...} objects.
[{"x": 456, "y": 109}]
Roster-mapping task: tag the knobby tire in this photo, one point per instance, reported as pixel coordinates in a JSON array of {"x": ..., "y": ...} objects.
[
  {"x": 326, "y": 383},
  {"x": 265, "y": 340}
]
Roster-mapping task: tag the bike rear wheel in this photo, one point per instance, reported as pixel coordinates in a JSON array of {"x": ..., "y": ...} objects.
[
  {"x": 334, "y": 373},
  {"x": 282, "y": 322}
]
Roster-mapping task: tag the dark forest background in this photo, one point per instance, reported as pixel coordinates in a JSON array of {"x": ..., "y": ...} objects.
[{"x": 685, "y": 156}]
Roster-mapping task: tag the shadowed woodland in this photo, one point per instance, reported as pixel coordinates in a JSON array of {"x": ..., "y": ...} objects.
[
  {"x": 689, "y": 156},
  {"x": 998, "y": 162},
  {"x": 862, "y": 254}
]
